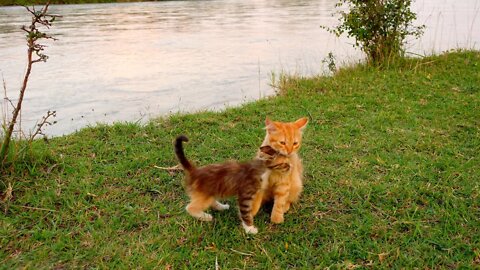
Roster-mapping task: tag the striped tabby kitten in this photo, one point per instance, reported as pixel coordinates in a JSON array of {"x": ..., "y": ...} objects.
[
  {"x": 283, "y": 186},
  {"x": 205, "y": 184}
]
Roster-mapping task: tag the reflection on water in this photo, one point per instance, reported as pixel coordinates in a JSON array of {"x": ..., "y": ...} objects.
[{"x": 131, "y": 61}]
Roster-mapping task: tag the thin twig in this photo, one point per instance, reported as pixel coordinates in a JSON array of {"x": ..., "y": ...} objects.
[
  {"x": 42, "y": 123},
  {"x": 422, "y": 64},
  {"x": 242, "y": 253},
  {"x": 266, "y": 254},
  {"x": 5, "y": 97},
  {"x": 309, "y": 114},
  {"x": 5, "y": 107},
  {"x": 36, "y": 208},
  {"x": 173, "y": 168},
  {"x": 10, "y": 101}
]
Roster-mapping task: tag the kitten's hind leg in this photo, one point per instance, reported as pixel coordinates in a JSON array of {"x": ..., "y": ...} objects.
[
  {"x": 245, "y": 208},
  {"x": 198, "y": 205},
  {"x": 249, "y": 229},
  {"x": 219, "y": 206}
]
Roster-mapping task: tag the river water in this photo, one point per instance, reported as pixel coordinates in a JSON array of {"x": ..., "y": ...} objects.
[{"x": 135, "y": 61}]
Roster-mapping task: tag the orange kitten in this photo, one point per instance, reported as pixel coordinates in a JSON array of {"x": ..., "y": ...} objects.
[
  {"x": 283, "y": 187},
  {"x": 206, "y": 184}
]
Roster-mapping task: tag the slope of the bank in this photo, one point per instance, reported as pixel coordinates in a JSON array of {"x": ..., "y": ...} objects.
[{"x": 392, "y": 173}]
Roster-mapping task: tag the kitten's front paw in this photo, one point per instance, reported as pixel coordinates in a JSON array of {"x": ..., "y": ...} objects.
[
  {"x": 220, "y": 206},
  {"x": 205, "y": 217},
  {"x": 276, "y": 218},
  {"x": 250, "y": 229}
]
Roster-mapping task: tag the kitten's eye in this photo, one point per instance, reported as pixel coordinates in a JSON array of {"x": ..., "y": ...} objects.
[
  {"x": 282, "y": 143},
  {"x": 295, "y": 143}
]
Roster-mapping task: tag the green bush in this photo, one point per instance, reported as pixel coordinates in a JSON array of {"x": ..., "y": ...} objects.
[{"x": 380, "y": 27}]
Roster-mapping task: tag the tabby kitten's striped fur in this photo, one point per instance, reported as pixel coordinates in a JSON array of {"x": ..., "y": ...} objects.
[
  {"x": 205, "y": 184},
  {"x": 283, "y": 186}
]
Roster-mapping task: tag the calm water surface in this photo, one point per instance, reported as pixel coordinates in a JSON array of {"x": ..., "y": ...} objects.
[{"x": 134, "y": 61}]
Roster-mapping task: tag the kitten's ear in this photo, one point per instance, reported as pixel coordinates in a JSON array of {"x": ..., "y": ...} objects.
[
  {"x": 267, "y": 149},
  {"x": 269, "y": 125},
  {"x": 301, "y": 123},
  {"x": 268, "y": 122}
]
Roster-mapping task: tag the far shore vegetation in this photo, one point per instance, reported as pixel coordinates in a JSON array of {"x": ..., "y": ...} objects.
[{"x": 54, "y": 2}]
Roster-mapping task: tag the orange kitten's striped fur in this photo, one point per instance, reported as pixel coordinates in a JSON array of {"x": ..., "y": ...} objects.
[{"x": 284, "y": 187}]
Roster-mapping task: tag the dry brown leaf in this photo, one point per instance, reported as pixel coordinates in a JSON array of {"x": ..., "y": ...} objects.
[{"x": 8, "y": 194}]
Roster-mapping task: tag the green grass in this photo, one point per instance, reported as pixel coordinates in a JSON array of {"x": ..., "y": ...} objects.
[{"x": 392, "y": 170}]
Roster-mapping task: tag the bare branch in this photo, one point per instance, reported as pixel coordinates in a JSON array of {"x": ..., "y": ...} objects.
[
  {"x": 5, "y": 97},
  {"x": 43, "y": 122},
  {"x": 10, "y": 101},
  {"x": 33, "y": 36}
]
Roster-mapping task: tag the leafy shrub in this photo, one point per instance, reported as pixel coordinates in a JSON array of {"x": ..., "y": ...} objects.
[{"x": 380, "y": 27}]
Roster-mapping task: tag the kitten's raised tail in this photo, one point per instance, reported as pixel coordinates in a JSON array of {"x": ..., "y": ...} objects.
[{"x": 180, "y": 154}]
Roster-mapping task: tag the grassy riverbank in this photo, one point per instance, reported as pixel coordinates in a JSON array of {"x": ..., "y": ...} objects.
[{"x": 392, "y": 173}]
